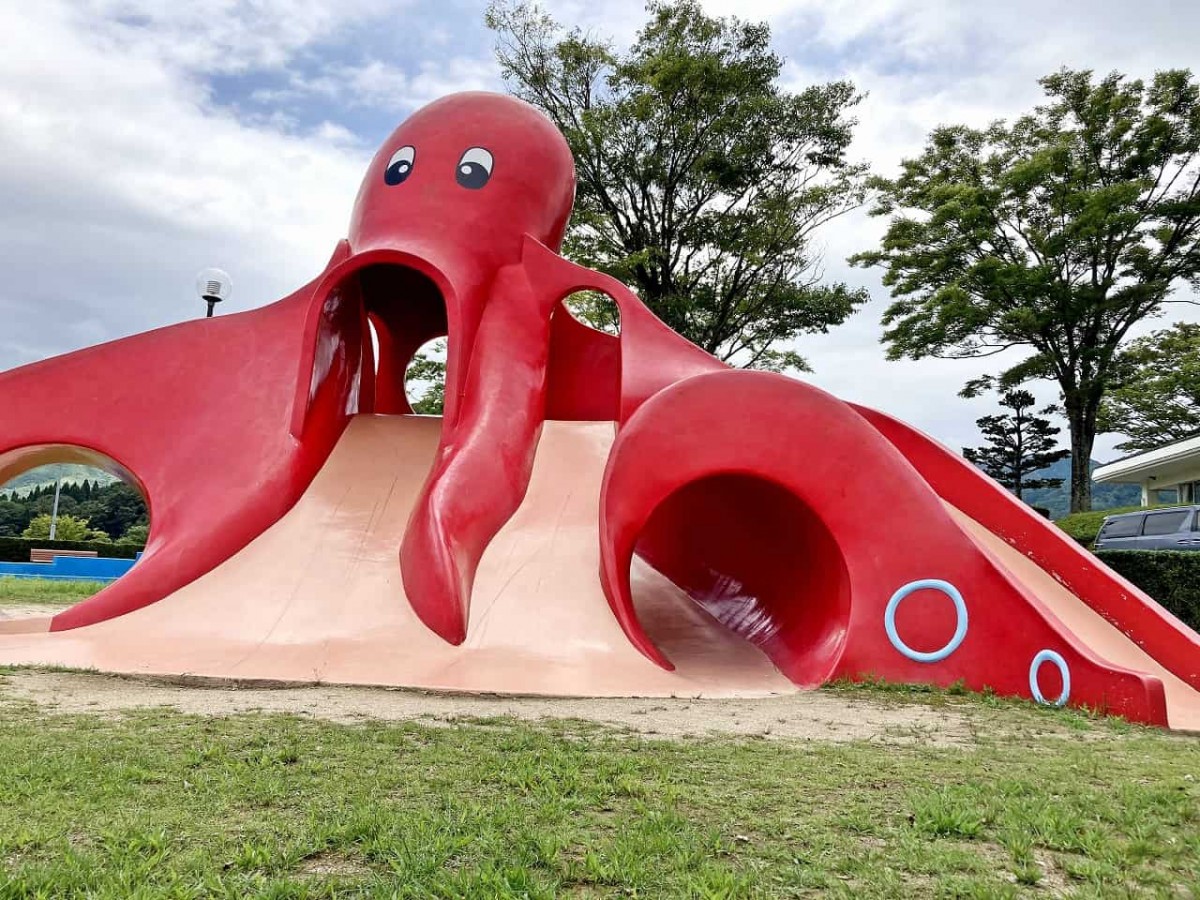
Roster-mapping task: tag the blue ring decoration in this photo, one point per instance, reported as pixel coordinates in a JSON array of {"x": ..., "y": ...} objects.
[
  {"x": 1046, "y": 656},
  {"x": 960, "y": 609}
]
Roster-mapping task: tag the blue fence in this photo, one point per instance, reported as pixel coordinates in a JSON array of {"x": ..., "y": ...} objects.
[{"x": 71, "y": 568}]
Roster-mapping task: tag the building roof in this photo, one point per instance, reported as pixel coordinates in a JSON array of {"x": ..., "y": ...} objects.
[{"x": 1181, "y": 459}]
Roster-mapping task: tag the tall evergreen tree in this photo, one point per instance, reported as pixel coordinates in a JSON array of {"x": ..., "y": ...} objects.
[{"x": 1019, "y": 443}]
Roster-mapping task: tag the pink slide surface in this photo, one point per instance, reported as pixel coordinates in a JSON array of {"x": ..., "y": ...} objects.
[{"x": 318, "y": 596}]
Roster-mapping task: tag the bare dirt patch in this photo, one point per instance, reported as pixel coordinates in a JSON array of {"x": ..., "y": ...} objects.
[
  {"x": 31, "y": 610},
  {"x": 338, "y": 864},
  {"x": 816, "y": 715}
]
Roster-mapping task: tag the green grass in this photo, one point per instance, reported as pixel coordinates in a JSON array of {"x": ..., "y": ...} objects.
[
  {"x": 161, "y": 804},
  {"x": 21, "y": 591}
]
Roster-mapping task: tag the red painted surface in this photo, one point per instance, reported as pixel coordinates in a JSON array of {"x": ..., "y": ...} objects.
[
  {"x": 1167, "y": 639},
  {"x": 814, "y": 596},
  {"x": 789, "y": 516}
]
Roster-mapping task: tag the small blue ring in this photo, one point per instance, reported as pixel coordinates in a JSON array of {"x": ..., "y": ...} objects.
[
  {"x": 960, "y": 609},
  {"x": 1046, "y": 656}
]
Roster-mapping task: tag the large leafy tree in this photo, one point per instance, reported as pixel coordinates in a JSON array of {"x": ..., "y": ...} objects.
[
  {"x": 1018, "y": 444},
  {"x": 701, "y": 181},
  {"x": 1156, "y": 399},
  {"x": 1056, "y": 233}
]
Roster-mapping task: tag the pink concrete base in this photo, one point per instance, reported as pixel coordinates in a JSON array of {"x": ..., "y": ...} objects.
[
  {"x": 318, "y": 597},
  {"x": 25, "y": 625}
]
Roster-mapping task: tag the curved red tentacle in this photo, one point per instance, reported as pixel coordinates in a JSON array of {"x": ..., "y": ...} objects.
[
  {"x": 198, "y": 414},
  {"x": 711, "y": 445}
]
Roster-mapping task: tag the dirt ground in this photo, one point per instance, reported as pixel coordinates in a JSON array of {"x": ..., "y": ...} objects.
[
  {"x": 816, "y": 715},
  {"x": 30, "y": 610},
  {"x": 821, "y": 716}
]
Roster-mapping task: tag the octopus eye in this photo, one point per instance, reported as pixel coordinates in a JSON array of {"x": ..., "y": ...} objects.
[
  {"x": 474, "y": 169},
  {"x": 400, "y": 166}
]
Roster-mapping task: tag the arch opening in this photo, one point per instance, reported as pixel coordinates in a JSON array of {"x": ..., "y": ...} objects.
[
  {"x": 760, "y": 562},
  {"x": 72, "y": 520},
  {"x": 405, "y": 311},
  {"x": 584, "y": 378},
  {"x": 594, "y": 309}
]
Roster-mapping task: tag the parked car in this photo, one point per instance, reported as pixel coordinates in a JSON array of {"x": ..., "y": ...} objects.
[{"x": 1177, "y": 528}]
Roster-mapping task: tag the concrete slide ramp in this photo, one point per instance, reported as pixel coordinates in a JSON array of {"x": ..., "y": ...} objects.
[
  {"x": 1102, "y": 637},
  {"x": 318, "y": 596}
]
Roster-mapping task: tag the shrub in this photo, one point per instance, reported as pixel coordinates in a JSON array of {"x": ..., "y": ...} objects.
[
  {"x": 69, "y": 528},
  {"x": 1172, "y": 577},
  {"x": 135, "y": 534},
  {"x": 17, "y": 549}
]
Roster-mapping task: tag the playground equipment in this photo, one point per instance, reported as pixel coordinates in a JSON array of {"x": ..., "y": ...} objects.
[{"x": 593, "y": 514}]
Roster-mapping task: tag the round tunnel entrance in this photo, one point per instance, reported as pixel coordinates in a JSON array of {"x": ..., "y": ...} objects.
[
  {"x": 72, "y": 521},
  {"x": 406, "y": 312},
  {"x": 758, "y": 560}
]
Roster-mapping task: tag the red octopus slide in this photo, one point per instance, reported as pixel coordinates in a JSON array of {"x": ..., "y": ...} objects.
[{"x": 593, "y": 514}]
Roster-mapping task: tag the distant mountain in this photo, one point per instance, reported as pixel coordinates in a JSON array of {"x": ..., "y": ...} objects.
[
  {"x": 43, "y": 475},
  {"x": 1058, "y": 500}
]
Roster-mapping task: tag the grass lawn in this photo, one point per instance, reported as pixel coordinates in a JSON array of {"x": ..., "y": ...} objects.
[
  {"x": 38, "y": 591},
  {"x": 162, "y": 804}
]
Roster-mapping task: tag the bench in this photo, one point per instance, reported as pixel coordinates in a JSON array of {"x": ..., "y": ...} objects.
[{"x": 45, "y": 556}]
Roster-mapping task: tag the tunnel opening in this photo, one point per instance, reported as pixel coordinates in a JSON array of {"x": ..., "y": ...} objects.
[
  {"x": 760, "y": 562},
  {"x": 406, "y": 311},
  {"x": 584, "y": 371},
  {"x": 425, "y": 379},
  {"x": 72, "y": 521}
]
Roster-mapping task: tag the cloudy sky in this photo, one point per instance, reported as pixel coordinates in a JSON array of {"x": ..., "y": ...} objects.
[{"x": 141, "y": 140}]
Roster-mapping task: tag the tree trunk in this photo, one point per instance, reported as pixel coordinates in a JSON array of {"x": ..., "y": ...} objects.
[{"x": 1081, "y": 421}]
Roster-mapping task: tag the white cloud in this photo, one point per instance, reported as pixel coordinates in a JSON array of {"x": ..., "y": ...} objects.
[
  {"x": 379, "y": 84},
  {"x": 221, "y": 35},
  {"x": 120, "y": 182},
  {"x": 931, "y": 62}
]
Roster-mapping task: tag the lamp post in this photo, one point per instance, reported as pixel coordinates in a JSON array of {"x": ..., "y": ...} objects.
[
  {"x": 213, "y": 286},
  {"x": 54, "y": 512}
]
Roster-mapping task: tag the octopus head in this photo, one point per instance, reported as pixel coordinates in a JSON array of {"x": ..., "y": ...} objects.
[{"x": 473, "y": 171}]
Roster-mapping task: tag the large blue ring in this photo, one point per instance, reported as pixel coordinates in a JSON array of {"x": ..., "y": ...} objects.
[
  {"x": 1046, "y": 656},
  {"x": 960, "y": 609}
]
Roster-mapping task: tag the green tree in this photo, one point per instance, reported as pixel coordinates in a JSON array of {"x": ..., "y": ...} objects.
[
  {"x": 45, "y": 503},
  {"x": 1019, "y": 443},
  {"x": 1057, "y": 234},
  {"x": 1156, "y": 399},
  {"x": 427, "y": 372},
  {"x": 14, "y": 516},
  {"x": 69, "y": 528},
  {"x": 114, "y": 508},
  {"x": 136, "y": 534},
  {"x": 701, "y": 181}
]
